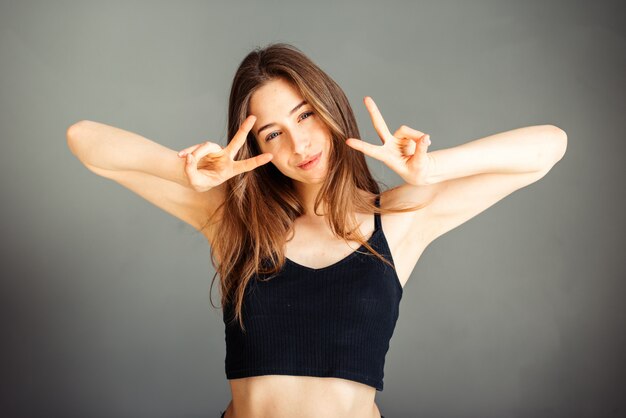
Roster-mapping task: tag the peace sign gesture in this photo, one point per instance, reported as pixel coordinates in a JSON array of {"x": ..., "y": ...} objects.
[
  {"x": 404, "y": 151},
  {"x": 209, "y": 165}
]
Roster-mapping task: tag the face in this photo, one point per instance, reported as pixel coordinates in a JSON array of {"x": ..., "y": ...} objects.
[{"x": 290, "y": 130}]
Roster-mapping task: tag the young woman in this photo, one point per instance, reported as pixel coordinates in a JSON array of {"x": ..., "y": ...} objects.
[{"x": 312, "y": 256}]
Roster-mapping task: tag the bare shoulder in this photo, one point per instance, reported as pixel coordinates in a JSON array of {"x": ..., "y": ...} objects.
[
  {"x": 415, "y": 223},
  {"x": 407, "y": 233}
]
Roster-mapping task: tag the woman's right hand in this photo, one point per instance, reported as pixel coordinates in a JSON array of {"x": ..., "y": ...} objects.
[{"x": 209, "y": 165}]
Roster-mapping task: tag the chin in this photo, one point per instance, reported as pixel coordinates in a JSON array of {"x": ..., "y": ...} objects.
[{"x": 310, "y": 180}]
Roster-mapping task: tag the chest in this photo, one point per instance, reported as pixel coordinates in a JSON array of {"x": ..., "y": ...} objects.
[{"x": 316, "y": 248}]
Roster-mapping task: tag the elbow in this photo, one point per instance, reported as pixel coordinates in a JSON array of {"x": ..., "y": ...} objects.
[
  {"x": 72, "y": 130},
  {"x": 72, "y": 134},
  {"x": 558, "y": 144},
  {"x": 561, "y": 142}
]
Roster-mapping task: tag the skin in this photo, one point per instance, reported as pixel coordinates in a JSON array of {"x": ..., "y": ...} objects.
[
  {"x": 293, "y": 139},
  {"x": 459, "y": 183}
]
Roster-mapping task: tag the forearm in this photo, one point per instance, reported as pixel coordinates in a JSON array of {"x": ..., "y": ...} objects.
[
  {"x": 112, "y": 148},
  {"x": 519, "y": 150}
]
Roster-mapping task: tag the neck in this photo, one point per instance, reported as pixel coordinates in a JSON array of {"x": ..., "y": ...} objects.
[{"x": 307, "y": 193}]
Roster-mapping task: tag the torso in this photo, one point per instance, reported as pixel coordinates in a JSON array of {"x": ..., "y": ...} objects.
[{"x": 313, "y": 397}]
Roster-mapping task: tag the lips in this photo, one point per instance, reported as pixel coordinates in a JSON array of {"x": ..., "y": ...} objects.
[{"x": 309, "y": 159}]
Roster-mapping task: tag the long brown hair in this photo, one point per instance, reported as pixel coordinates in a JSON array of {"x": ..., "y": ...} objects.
[{"x": 260, "y": 206}]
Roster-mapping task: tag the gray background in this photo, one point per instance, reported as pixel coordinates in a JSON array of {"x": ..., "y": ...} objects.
[{"x": 105, "y": 298}]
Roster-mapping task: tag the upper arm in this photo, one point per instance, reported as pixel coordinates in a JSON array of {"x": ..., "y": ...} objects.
[
  {"x": 184, "y": 203},
  {"x": 457, "y": 200}
]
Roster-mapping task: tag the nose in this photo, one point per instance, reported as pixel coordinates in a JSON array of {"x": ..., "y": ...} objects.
[{"x": 300, "y": 141}]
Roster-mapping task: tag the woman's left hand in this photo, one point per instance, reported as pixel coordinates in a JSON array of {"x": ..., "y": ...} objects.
[{"x": 404, "y": 151}]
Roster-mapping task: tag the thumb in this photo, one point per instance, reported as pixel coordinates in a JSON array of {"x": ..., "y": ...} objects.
[
  {"x": 424, "y": 142},
  {"x": 191, "y": 168}
]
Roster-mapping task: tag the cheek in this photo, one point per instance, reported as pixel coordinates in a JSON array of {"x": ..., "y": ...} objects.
[
  {"x": 283, "y": 167},
  {"x": 280, "y": 160}
]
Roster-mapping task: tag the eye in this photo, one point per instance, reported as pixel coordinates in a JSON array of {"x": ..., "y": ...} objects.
[
  {"x": 307, "y": 114},
  {"x": 302, "y": 116}
]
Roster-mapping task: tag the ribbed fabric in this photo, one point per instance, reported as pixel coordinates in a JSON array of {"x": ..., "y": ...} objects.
[{"x": 334, "y": 321}]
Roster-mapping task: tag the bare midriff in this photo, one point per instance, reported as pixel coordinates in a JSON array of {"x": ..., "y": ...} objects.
[{"x": 274, "y": 396}]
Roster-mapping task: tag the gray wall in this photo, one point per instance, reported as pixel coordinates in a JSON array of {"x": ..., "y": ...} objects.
[{"x": 105, "y": 306}]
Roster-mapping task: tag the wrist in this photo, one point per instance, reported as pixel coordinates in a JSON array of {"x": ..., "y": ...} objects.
[{"x": 433, "y": 173}]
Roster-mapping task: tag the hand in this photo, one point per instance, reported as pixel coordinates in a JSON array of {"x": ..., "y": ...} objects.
[
  {"x": 404, "y": 151},
  {"x": 209, "y": 165}
]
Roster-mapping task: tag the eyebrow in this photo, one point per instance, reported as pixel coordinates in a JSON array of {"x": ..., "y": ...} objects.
[{"x": 269, "y": 125}]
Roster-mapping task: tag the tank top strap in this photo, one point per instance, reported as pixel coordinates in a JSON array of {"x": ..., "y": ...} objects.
[{"x": 377, "y": 223}]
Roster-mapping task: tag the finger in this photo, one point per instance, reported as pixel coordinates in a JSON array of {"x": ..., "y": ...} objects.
[
  {"x": 250, "y": 164},
  {"x": 377, "y": 119},
  {"x": 421, "y": 151},
  {"x": 423, "y": 143},
  {"x": 407, "y": 132},
  {"x": 191, "y": 169},
  {"x": 374, "y": 151},
  {"x": 187, "y": 150},
  {"x": 240, "y": 137},
  {"x": 204, "y": 149}
]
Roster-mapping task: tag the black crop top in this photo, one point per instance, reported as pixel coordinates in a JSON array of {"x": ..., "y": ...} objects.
[{"x": 334, "y": 321}]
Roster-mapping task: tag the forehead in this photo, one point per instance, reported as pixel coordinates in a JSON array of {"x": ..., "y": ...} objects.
[{"x": 274, "y": 100}]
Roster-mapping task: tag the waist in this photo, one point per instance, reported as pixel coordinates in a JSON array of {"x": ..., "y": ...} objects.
[{"x": 270, "y": 396}]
